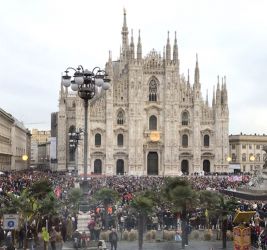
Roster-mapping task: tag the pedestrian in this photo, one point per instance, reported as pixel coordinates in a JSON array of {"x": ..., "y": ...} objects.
[
  {"x": 21, "y": 237},
  {"x": 53, "y": 238},
  {"x": 30, "y": 238},
  {"x": 9, "y": 241},
  {"x": 113, "y": 239}
]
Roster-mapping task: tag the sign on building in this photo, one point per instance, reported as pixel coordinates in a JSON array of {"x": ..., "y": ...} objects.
[{"x": 11, "y": 221}]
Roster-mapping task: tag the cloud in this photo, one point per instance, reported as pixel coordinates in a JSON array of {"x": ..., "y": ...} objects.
[{"x": 39, "y": 39}]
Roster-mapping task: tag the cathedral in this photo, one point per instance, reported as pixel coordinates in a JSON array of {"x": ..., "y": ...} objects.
[{"x": 152, "y": 120}]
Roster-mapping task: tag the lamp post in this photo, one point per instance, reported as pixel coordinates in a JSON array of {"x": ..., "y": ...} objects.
[
  {"x": 74, "y": 138},
  {"x": 25, "y": 159},
  {"x": 87, "y": 84}
]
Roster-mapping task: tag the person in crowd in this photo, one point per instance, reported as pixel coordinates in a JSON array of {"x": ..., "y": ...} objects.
[
  {"x": 76, "y": 237},
  {"x": 2, "y": 236},
  {"x": 91, "y": 227},
  {"x": 113, "y": 239},
  {"x": 21, "y": 237},
  {"x": 53, "y": 238},
  {"x": 30, "y": 238}
]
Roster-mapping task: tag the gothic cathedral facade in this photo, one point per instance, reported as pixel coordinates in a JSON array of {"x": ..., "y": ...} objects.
[{"x": 152, "y": 121}]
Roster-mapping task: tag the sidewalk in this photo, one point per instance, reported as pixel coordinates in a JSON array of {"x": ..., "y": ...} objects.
[{"x": 193, "y": 245}]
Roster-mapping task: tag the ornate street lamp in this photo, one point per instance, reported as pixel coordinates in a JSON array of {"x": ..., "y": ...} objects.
[
  {"x": 74, "y": 138},
  {"x": 87, "y": 84}
]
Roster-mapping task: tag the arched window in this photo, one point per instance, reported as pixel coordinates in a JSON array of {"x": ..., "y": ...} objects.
[
  {"x": 251, "y": 157},
  {"x": 258, "y": 157},
  {"x": 153, "y": 91},
  {"x": 152, "y": 122},
  {"x": 120, "y": 140},
  {"x": 233, "y": 157},
  {"x": 244, "y": 157},
  {"x": 206, "y": 140},
  {"x": 120, "y": 118},
  {"x": 98, "y": 140},
  {"x": 185, "y": 118},
  {"x": 185, "y": 141}
]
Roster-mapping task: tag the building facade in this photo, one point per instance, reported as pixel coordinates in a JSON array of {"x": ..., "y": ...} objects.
[
  {"x": 14, "y": 143},
  {"x": 40, "y": 136},
  {"x": 20, "y": 146},
  {"x": 152, "y": 121},
  {"x": 40, "y": 146},
  {"x": 6, "y": 123},
  {"x": 245, "y": 151}
]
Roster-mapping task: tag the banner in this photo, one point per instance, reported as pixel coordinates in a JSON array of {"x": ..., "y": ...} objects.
[{"x": 53, "y": 148}]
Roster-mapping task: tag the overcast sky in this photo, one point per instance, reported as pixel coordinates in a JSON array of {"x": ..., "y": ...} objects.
[{"x": 40, "y": 38}]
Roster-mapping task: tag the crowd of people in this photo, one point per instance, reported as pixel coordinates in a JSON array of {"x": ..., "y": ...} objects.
[{"x": 120, "y": 216}]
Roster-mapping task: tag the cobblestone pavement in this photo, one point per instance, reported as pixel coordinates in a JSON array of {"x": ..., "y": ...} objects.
[{"x": 193, "y": 245}]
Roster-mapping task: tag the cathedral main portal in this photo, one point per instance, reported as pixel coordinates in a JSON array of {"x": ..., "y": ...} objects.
[
  {"x": 120, "y": 167},
  {"x": 152, "y": 163},
  {"x": 185, "y": 167}
]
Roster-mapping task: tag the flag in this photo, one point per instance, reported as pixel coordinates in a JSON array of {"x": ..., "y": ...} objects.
[{"x": 57, "y": 191}]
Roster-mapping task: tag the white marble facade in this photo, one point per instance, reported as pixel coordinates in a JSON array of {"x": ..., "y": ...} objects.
[{"x": 152, "y": 121}]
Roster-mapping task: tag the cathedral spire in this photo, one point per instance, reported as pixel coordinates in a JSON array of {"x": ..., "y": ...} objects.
[
  {"x": 175, "y": 50},
  {"x": 109, "y": 65},
  {"x": 196, "y": 71},
  {"x": 213, "y": 97},
  {"x": 61, "y": 90},
  {"x": 188, "y": 78},
  {"x": 139, "y": 47},
  {"x": 224, "y": 93},
  {"x": 168, "y": 49},
  {"x": 207, "y": 98},
  {"x": 110, "y": 56},
  {"x": 124, "y": 33},
  {"x": 218, "y": 93},
  {"x": 132, "y": 46},
  {"x": 164, "y": 53}
]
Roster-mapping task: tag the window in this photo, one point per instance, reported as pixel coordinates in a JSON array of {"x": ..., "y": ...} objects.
[
  {"x": 244, "y": 168},
  {"x": 258, "y": 157},
  {"x": 250, "y": 146},
  {"x": 251, "y": 157},
  {"x": 120, "y": 118},
  {"x": 206, "y": 141},
  {"x": 152, "y": 122},
  {"x": 233, "y": 157},
  {"x": 185, "y": 141},
  {"x": 120, "y": 140},
  {"x": 97, "y": 140},
  {"x": 251, "y": 167},
  {"x": 233, "y": 146},
  {"x": 185, "y": 118},
  {"x": 152, "y": 91},
  {"x": 244, "y": 157},
  {"x": 243, "y": 146},
  {"x": 258, "y": 146}
]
